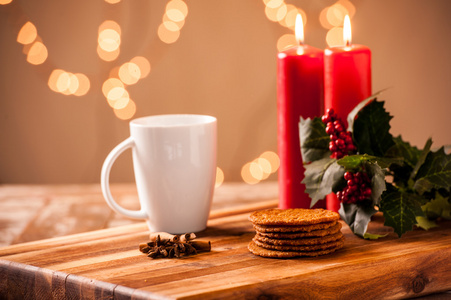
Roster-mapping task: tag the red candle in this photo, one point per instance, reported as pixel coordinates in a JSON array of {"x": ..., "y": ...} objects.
[
  {"x": 300, "y": 83},
  {"x": 347, "y": 81}
]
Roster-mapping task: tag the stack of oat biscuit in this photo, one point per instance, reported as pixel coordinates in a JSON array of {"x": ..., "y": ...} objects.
[{"x": 295, "y": 232}]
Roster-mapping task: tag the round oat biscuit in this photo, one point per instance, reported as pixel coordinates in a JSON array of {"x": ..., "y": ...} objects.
[
  {"x": 335, "y": 244},
  {"x": 297, "y": 235},
  {"x": 298, "y": 242},
  {"x": 293, "y": 228},
  {"x": 293, "y": 216},
  {"x": 256, "y": 250}
]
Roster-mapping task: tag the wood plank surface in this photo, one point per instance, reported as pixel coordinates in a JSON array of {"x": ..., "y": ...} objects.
[
  {"x": 35, "y": 212},
  {"x": 107, "y": 264}
]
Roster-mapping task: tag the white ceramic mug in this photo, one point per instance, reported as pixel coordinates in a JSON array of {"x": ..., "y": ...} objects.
[{"x": 174, "y": 160}]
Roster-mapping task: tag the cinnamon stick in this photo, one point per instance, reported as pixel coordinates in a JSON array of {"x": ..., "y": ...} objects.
[
  {"x": 163, "y": 236},
  {"x": 201, "y": 246},
  {"x": 187, "y": 237}
]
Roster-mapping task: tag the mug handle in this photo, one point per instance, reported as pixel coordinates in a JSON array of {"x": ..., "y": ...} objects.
[{"x": 105, "y": 181}]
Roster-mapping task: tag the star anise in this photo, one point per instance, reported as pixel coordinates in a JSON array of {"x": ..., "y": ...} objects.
[{"x": 173, "y": 245}]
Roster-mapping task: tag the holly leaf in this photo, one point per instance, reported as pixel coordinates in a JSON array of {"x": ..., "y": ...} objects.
[
  {"x": 435, "y": 172},
  {"x": 319, "y": 178},
  {"x": 371, "y": 129},
  {"x": 425, "y": 223},
  {"x": 378, "y": 185},
  {"x": 422, "y": 158},
  {"x": 439, "y": 207},
  {"x": 373, "y": 236},
  {"x": 357, "y": 108},
  {"x": 404, "y": 172},
  {"x": 400, "y": 209},
  {"x": 357, "y": 217},
  {"x": 314, "y": 139},
  {"x": 403, "y": 149},
  {"x": 353, "y": 162}
]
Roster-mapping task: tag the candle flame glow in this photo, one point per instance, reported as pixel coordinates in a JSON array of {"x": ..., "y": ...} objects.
[
  {"x": 347, "y": 31},
  {"x": 299, "y": 30}
]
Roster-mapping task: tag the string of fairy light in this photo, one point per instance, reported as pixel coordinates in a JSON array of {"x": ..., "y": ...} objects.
[{"x": 114, "y": 88}]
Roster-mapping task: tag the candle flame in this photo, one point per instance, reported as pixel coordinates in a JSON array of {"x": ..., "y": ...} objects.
[
  {"x": 299, "y": 30},
  {"x": 347, "y": 36}
]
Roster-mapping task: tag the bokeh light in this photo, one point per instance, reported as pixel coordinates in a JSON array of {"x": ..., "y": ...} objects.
[
  {"x": 143, "y": 64},
  {"x": 175, "y": 15},
  {"x": 265, "y": 166},
  {"x": 110, "y": 24},
  {"x": 37, "y": 53},
  {"x": 177, "y": 5},
  {"x": 171, "y": 26},
  {"x": 173, "y": 21},
  {"x": 129, "y": 73},
  {"x": 290, "y": 18},
  {"x": 68, "y": 83},
  {"x": 107, "y": 56},
  {"x": 260, "y": 168},
  {"x": 4, "y": 2},
  {"x": 336, "y": 14},
  {"x": 219, "y": 177},
  {"x": 276, "y": 10},
  {"x": 83, "y": 84},
  {"x": 332, "y": 18},
  {"x": 109, "y": 84},
  {"x": 109, "y": 40},
  {"x": 256, "y": 170},
  {"x": 112, "y": 1},
  {"x": 118, "y": 97},
  {"x": 53, "y": 78},
  {"x": 179, "y": 24},
  {"x": 286, "y": 41},
  {"x": 127, "y": 112},
  {"x": 323, "y": 18},
  {"x": 247, "y": 176},
  {"x": 334, "y": 37},
  {"x": 273, "y": 159},
  {"x": 350, "y": 8},
  {"x": 167, "y": 36},
  {"x": 27, "y": 34}
]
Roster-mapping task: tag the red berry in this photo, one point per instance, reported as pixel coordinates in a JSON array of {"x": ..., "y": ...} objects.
[
  {"x": 358, "y": 188},
  {"x": 348, "y": 175},
  {"x": 350, "y": 147},
  {"x": 339, "y": 142},
  {"x": 339, "y": 127},
  {"x": 330, "y": 129}
]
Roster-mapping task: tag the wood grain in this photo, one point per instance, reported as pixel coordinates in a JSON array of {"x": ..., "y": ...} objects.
[
  {"x": 36, "y": 212},
  {"x": 107, "y": 264}
]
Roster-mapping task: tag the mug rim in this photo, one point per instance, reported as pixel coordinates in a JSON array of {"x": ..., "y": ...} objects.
[{"x": 194, "y": 119}]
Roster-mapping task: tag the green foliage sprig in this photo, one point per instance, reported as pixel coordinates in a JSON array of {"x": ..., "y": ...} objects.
[{"x": 410, "y": 186}]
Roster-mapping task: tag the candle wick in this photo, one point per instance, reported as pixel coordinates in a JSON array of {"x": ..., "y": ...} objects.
[{"x": 348, "y": 43}]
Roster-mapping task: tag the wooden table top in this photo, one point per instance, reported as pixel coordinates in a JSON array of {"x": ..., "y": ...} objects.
[
  {"x": 36, "y": 212},
  {"x": 64, "y": 242}
]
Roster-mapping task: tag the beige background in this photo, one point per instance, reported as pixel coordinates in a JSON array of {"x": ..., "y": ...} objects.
[{"x": 223, "y": 64}]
